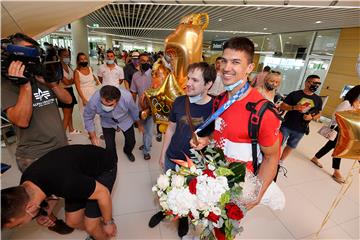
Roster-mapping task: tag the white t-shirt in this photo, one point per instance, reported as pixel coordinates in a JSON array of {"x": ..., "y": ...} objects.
[{"x": 110, "y": 76}]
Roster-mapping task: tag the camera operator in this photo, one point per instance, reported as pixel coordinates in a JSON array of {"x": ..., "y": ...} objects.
[{"x": 30, "y": 104}]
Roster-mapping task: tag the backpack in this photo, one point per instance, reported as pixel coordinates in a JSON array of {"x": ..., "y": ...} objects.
[{"x": 257, "y": 110}]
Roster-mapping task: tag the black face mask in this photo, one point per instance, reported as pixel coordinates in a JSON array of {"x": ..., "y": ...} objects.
[
  {"x": 269, "y": 86},
  {"x": 145, "y": 66},
  {"x": 313, "y": 88},
  {"x": 83, "y": 64}
]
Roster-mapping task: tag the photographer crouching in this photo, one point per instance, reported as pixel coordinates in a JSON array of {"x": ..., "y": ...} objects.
[{"x": 29, "y": 89}]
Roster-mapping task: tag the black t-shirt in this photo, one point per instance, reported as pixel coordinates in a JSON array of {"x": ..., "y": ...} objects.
[
  {"x": 69, "y": 172},
  {"x": 180, "y": 141},
  {"x": 294, "y": 119},
  {"x": 129, "y": 71}
]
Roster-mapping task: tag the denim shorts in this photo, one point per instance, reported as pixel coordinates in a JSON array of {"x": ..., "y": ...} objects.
[{"x": 291, "y": 137}]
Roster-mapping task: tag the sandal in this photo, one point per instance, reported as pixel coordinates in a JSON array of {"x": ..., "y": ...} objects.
[
  {"x": 317, "y": 163},
  {"x": 75, "y": 132},
  {"x": 340, "y": 179}
]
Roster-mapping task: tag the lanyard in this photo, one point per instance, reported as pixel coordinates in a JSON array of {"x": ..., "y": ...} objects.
[{"x": 222, "y": 109}]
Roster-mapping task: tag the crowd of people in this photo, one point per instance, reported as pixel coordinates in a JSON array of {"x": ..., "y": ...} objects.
[{"x": 84, "y": 174}]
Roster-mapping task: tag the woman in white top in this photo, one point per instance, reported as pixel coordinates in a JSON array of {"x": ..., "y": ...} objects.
[
  {"x": 85, "y": 82},
  {"x": 66, "y": 83},
  {"x": 351, "y": 102}
]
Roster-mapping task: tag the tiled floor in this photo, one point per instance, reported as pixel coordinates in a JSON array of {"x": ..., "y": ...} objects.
[{"x": 309, "y": 192}]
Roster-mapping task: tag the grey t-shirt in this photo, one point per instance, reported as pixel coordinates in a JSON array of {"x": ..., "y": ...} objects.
[
  {"x": 45, "y": 131},
  {"x": 140, "y": 82}
]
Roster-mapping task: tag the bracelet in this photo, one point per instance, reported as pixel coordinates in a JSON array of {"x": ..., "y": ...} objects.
[{"x": 109, "y": 222}]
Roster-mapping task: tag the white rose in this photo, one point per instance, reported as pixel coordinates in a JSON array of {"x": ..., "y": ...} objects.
[
  {"x": 177, "y": 181},
  {"x": 163, "y": 182},
  {"x": 154, "y": 189},
  {"x": 164, "y": 205},
  {"x": 211, "y": 167},
  {"x": 195, "y": 213},
  {"x": 216, "y": 211},
  {"x": 168, "y": 172}
]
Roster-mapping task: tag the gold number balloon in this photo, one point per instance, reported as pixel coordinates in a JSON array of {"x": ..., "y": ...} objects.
[
  {"x": 184, "y": 46},
  {"x": 348, "y": 143}
]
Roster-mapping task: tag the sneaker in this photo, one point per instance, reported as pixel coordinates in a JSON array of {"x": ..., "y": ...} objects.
[
  {"x": 75, "y": 131},
  {"x": 147, "y": 156},
  {"x": 156, "y": 219},
  {"x": 183, "y": 227},
  {"x": 60, "y": 227},
  {"x": 131, "y": 157},
  {"x": 159, "y": 137}
]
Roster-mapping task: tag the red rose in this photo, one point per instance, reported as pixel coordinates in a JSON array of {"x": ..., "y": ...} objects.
[
  {"x": 192, "y": 185},
  {"x": 209, "y": 173},
  {"x": 233, "y": 211},
  {"x": 219, "y": 234},
  {"x": 213, "y": 217}
]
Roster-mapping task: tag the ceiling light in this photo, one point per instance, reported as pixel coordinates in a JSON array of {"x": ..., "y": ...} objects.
[
  {"x": 258, "y": 8},
  {"x": 220, "y": 19},
  {"x": 267, "y": 38},
  {"x": 319, "y": 36},
  {"x": 290, "y": 37},
  {"x": 287, "y": 42},
  {"x": 318, "y": 22},
  {"x": 265, "y": 29}
]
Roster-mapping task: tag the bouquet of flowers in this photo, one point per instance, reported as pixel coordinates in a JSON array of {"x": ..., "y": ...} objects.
[{"x": 210, "y": 191}]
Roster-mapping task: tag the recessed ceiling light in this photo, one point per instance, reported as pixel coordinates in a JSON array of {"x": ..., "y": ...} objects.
[
  {"x": 290, "y": 37},
  {"x": 319, "y": 36},
  {"x": 287, "y": 42},
  {"x": 267, "y": 38},
  {"x": 318, "y": 22},
  {"x": 220, "y": 19},
  {"x": 265, "y": 29},
  {"x": 258, "y": 8}
]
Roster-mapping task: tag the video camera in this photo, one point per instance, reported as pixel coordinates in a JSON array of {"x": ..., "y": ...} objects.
[{"x": 31, "y": 57}]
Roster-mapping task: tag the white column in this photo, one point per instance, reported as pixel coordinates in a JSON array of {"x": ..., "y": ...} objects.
[
  {"x": 109, "y": 42},
  {"x": 79, "y": 35}
]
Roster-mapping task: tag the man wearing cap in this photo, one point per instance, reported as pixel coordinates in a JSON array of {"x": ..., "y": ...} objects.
[{"x": 132, "y": 67}]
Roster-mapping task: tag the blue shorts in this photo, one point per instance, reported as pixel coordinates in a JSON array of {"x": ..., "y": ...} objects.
[{"x": 291, "y": 137}]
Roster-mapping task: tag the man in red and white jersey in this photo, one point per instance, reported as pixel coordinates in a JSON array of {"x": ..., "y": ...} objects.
[{"x": 231, "y": 127}]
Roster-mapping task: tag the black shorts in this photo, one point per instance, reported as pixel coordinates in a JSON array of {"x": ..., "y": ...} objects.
[
  {"x": 73, "y": 99},
  {"x": 92, "y": 209}
]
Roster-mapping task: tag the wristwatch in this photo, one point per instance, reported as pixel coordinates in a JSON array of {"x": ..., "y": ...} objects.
[{"x": 109, "y": 222}]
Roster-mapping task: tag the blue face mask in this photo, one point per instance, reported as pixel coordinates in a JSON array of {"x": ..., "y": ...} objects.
[
  {"x": 110, "y": 62},
  {"x": 229, "y": 88},
  {"x": 195, "y": 99},
  {"x": 107, "y": 108}
]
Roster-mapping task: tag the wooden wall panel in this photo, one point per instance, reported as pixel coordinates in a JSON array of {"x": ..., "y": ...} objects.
[{"x": 343, "y": 68}]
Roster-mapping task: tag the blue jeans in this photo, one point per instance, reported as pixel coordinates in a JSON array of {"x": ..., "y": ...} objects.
[
  {"x": 168, "y": 164},
  {"x": 291, "y": 137},
  {"x": 148, "y": 134}
]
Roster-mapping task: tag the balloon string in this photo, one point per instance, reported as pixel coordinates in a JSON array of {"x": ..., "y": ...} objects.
[{"x": 338, "y": 198}]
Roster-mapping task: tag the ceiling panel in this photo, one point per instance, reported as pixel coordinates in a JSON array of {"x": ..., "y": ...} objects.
[{"x": 159, "y": 18}]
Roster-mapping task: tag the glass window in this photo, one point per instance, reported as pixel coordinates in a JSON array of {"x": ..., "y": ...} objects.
[{"x": 325, "y": 42}]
